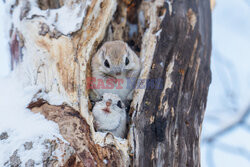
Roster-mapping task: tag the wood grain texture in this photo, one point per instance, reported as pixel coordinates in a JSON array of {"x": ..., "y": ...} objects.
[
  {"x": 76, "y": 131},
  {"x": 168, "y": 123}
]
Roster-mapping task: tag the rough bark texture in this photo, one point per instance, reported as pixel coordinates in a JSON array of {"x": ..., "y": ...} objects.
[
  {"x": 76, "y": 131},
  {"x": 173, "y": 41},
  {"x": 169, "y": 121}
]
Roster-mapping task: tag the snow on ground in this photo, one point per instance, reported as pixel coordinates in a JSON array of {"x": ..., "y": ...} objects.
[
  {"x": 18, "y": 125},
  {"x": 229, "y": 92}
]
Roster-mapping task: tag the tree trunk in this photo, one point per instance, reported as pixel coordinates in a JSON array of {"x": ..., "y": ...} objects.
[
  {"x": 52, "y": 43},
  {"x": 169, "y": 134}
]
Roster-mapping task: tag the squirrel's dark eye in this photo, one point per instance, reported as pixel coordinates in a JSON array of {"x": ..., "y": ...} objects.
[
  {"x": 126, "y": 61},
  {"x": 119, "y": 104},
  {"x": 106, "y": 63}
]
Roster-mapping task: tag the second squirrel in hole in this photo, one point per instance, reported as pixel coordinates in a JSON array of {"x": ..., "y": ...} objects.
[{"x": 110, "y": 115}]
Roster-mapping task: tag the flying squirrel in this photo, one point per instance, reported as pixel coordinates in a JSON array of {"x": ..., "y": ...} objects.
[{"x": 115, "y": 69}]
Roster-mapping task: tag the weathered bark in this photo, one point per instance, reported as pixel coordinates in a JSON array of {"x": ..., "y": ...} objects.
[
  {"x": 173, "y": 40},
  {"x": 76, "y": 131},
  {"x": 169, "y": 134}
]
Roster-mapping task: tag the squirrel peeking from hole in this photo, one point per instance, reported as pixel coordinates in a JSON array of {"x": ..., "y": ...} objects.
[{"x": 113, "y": 66}]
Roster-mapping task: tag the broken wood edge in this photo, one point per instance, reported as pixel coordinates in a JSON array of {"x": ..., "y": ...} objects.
[
  {"x": 149, "y": 42},
  {"x": 75, "y": 129}
]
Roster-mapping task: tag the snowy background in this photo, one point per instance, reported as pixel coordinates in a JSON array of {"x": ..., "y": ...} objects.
[{"x": 229, "y": 95}]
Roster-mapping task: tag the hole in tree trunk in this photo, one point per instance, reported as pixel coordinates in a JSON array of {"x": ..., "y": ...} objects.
[{"x": 125, "y": 27}]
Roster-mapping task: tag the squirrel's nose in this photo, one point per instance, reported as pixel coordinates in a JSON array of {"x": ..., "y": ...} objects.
[{"x": 108, "y": 103}]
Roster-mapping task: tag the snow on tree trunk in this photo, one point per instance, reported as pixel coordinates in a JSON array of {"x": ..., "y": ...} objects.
[{"x": 51, "y": 46}]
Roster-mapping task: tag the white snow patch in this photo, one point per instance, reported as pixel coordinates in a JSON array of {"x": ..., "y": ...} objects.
[
  {"x": 158, "y": 33},
  {"x": 4, "y": 47},
  {"x": 52, "y": 97},
  {"x": 161, "y": 64},
  {"x": 67, "y": 19},
  {"x": 105, "y": 161},
  {"x": 20, "y": 123}
]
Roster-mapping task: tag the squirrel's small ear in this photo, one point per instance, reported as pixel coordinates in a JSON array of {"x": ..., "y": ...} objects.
[
  {"x": 102, "y": 53},
  {"x": 103, "y": 49}
]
